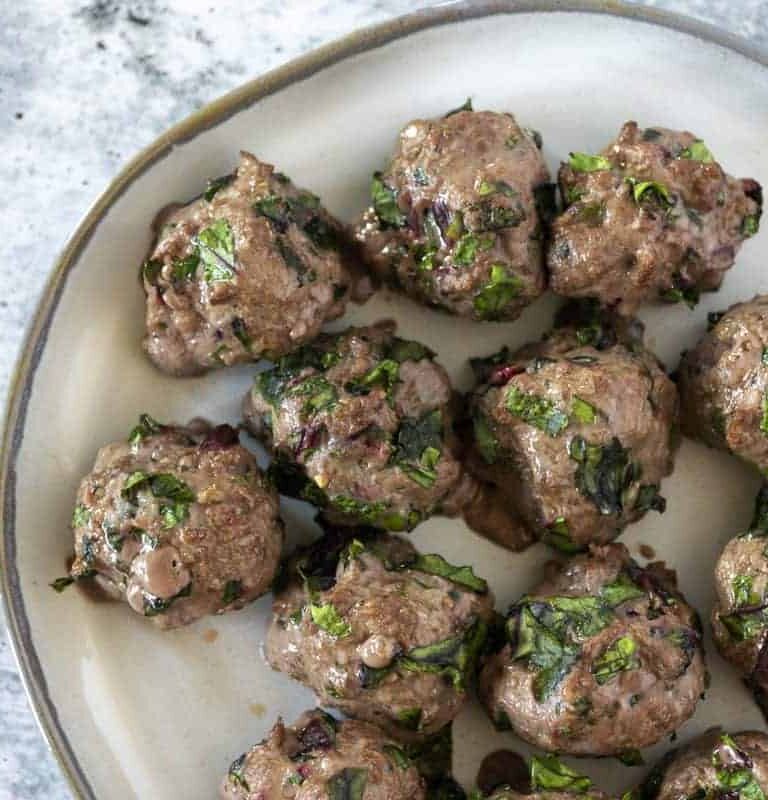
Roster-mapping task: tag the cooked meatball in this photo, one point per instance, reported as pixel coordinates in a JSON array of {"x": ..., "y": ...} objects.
[
  {"x": 740, "y": 614},
  {"x": 715, "y": 765},
  {"x": 601, "y": 658},
  {"x": 380, "y": 631},
  {"x": 361, "y": 425},
  {"x": 178, "y": 523},
  {"x": 456, "y": 219},
  {"x": 575, "y": 431},
  {"x": 321, "y": 758},
  {"x": 654, "y": 216},
  {"x": 252, "y": 268},
  {"x": 724, "y": 383}
]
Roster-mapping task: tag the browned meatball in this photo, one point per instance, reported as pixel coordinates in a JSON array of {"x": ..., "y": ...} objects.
[
  {"x": 177, "y": 524},
  {"x": 654, "y": 216},
  {"x": 601, "y": 658},
  {"x": 381, "y": 631},
  {"x": 575, "y": 431},
  {"x": 724, "y": 383},
  {"x": 251, "y": 268},
  {"x": 321, "y": 758},
  {"x": 361, "y": 425},
  {"x": 456, "y": 219},
  {"x": 715, "y": 765},
  {"x": 740, "y": 613}
]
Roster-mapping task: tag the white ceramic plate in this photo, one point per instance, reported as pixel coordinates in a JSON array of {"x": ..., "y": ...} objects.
[{"x": 133, "y": 712}]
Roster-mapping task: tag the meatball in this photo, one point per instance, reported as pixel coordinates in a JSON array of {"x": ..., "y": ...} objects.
[
  {"x": 653, "y": 216},
  {"x": 723, "y": 383},
  {"x": 456, "y": 219},
  {"x": 361, "y": 425},
  {"x": 252, "y": 268},
  {"x": 178, "y": 524},
  {"x": 321, "y": 758},
  {"x": 740, "y": 613},
  {"x": 575, "y": 431},
  {"x": 380, "y": 631},
  {"x": 714, "y": 765},
  {"x": 601, "y": 658}
]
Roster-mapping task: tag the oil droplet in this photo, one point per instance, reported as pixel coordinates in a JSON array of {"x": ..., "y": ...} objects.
[
  {"x": 646, "y": 551},
  {"x": 210, "y": 635},
  {"x": 257, "y": 709}
]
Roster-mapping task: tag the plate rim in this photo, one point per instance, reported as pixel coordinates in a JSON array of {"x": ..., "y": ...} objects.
[{"x": 245, "y": 95}]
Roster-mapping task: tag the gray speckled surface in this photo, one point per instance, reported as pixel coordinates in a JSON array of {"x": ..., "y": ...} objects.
[{"x": 84, "y": 86}]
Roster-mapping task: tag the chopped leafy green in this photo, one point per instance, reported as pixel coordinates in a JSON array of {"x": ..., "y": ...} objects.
[
  {"x": 385, "y": 374},
  {"x": 215, "y": 185},
  {"x": 80, "y": 516},
  {"x": 584, "y": 412},
  {"x": 750, "y": 225},
  {"x": 418, "y": 445},
  {"x": 485, "y": 441},
  {"x": 434, "y": 564},
  {"x": 742, "y": 591},
  {"x": 348, "y": 784},
  {"x": 401, "y": 350},
  {"x": 681, "y": 291},
  {"x": 697, "y": 151},
  {"x": 132, "y": 482},
  {"x": 328, "y": 618},
  {"x": 550, "y": 774},
  {"x": 604, "y": 473},
  {"x": 734, "y": 770},
  {"x": 465, "y": 106},
  {"x": 216, "y": 244},
  {"x": 60, "y": 584},
  {"x": 537, "y": 411},
  {"x": 764, "y": 417},
  {"x": 409, "y": 718},
  {"x": 745, "y": 625},
  {"x": 466, "y": 248},
  {"x": 498, "y": 293},
  {"x": 320, "y": 394},
  {"x": 240, "y": 331},
  {"x": 631, "y": 758},
  {"x": 235, "y": 773},
  {"x": 185, "y": 268},
  {"x": 163, "y": 484},
  {"x": 154, "y": 605},
  {"x": 649, "y": 190},
  {"x": 494, "y": 187},
  {"x": 385, "y": 203},
  {"x": 147, "y": 427},
  {"x": 558, "y": 535},
  {"x": 618, "y": 657},
  {"x": 620, "y": 591},
  {"x": 397, "y": 756},
  {"x": 649, "y": 499},
  {"x": 583, "y": 162},
  {"x": 173, "y": 514},
  {"x": 151, "y": 269},
  {"x": 232, "y": 590}
]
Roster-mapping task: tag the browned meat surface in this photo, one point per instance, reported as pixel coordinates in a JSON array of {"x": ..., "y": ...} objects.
[
  {"x": 715, "y": 765},
  {"x": 574, "y": 433},
  {"x": 252, "y": 268},
  {"x": 361, "y": 426},
  {"x": 177, "y": 524},
  {"x": 724, "y": 383},
  {"x": 740, "y": 613},
  {"x": 654, "y": 216},
  {"x": 601, "y": 658},
  {"x": 321, "y": 758},
  {"x": 380, "y": 631},
  {"x": 456, "y": 219}
]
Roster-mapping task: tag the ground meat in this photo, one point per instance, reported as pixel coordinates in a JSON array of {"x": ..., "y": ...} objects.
[
  {"x": 740, "y": 613},
  {"x": 178, "y": 524},
  {"x": 575, "y": 433},
  {"x": 456, "y": 219},
  {"x": 361, "y": 426},
  {"x": 252, "y": 268},
  {"x": 601, "y": 658},
  {"x": 321, "y": 758},
  {"x": 724, "y": 383},
  {"x": 653, "y": 217},
  {"x": 715, "y": 765},
  {"x": 380, "y": 631}
]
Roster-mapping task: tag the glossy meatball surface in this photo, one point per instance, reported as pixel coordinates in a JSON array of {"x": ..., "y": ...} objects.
[
  {"x": 178, "y": 524},
  {"x": 601, "y": 658},
  {"x": 575, "y": 431},
  {"x": 723, "y": 383},
  {"x": 717, "y": 765},
  {"x": 321, "y": 758},
  {"x": 653, "y": 216},
  {"x": 456, "y": 219},
  {"x": 360, "y": 424},
  {"x": 380, "y": 631},
  {"x": 252, "y": 268},
  {"x": 740, "y": 613}
]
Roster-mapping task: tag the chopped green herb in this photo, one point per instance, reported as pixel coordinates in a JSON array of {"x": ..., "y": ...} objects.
[
  {"x": 583, "y": 162},
  {"x": 173, "y": 514},
  {"x": 80, "y": 516},
  {"x": 216, "y": 244},
  {"x": 240, "y": 331},
  {"x": 185, "y": 268},
  {"x": 147, "y": 427},
  {"x": 154, "y": 605},
  {"x": 621, "y": 591},
  {"x": 456, "y": 226},
  {"x": 151, "y": 270},
  {"x": 465, "y": 106},
  {"x": 349, "y": 784},
  {"x": 558, "y": 535},
  {"x": 750, "y": 225},
  {"x": 328, "y": 618},
  {"x": 631, "y": 758},
  {"x": 550, "y": 774},
  {"x": 618, "y": 657},
  {"x": 232, "y": 590},
  {"x": 397, "y": 756},
  {"x": 697, "y": 151},
  {"x": 466, "y": 248},
  {"x": 215, "y": 185},
  {"x": 235, "y": 773},
  {"x": 537, "y": 411},
  {"x": 649, "y": 499},
  {"x": 604, "y": 473},
  {"x": 417, "y": 447},
  {"x": 742, "y": 591},
  {"x": 60, "y": 584},
  {"x": 163, "y": 484},
  {"x": 320, "y": 393},
  {"x": 132, "y": 482},
  {"x": 649, "y": 190},
  {"x": 401, "y": 350},
  {"x": 584, "y": 412},
  {"x": 385, "y": 374},
  {"x": 764, "y": 417},
  {"x": 409, "y": 718},
  {"x": 498, "y": 293},
  {"x": 434, "y": 564},
  {"x": 385, "y": 203},
  {"x": 485, "y": 441}
]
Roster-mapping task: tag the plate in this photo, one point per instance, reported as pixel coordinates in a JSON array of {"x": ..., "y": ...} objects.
[{"x": 133, "y": 712}]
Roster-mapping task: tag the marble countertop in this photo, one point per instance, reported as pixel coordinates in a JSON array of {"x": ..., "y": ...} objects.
[{"x": 85, "y": 85}]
